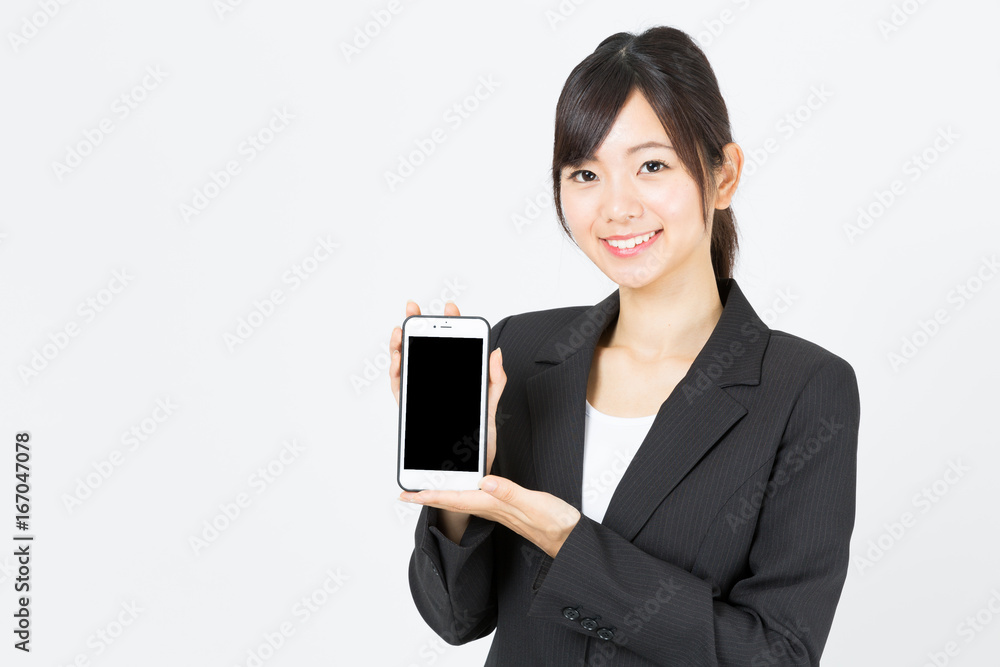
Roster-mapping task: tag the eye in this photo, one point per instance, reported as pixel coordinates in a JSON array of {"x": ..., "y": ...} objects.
[
  {"x": 661, "y": 166},
  {"x": 573, "y": 175}
]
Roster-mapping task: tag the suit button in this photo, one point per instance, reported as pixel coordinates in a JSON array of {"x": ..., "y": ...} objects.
[
  {"x": 571, "y": 614},
  {"x": 605, "y": 634},
  {"x": 589, "y": 624}
]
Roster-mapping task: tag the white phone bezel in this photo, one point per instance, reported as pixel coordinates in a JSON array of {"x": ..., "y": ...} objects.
[{"x": 442, "y": 326}]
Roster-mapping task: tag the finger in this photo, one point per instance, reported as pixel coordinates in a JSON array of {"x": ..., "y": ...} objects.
[
  {"x": 498, "y": 377},
  {"x": 500, "y": 488},
  {"x": 396, "y": 339},
  {"x": 396, "y": 350},
  {"x": 458, "y": 501},
  {"x": 511, "y": 496},
  {"x": 427, "y": 496},
  {"x": 451, "y": 309},
  {"x": 498, "y": 380},
  {"x": 395, "y": 344}
]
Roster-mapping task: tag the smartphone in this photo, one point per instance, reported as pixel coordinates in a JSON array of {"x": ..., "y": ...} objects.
[{"x": 444, "y": 368}]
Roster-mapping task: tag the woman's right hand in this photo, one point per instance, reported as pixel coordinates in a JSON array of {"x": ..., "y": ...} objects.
[{"x": 497, "y": 377}]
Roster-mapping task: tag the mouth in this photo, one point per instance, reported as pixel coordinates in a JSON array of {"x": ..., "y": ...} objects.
[{"x": 628, "y": 246}]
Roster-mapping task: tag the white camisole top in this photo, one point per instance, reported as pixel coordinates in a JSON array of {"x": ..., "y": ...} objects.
[{"x": 610, "y": 443}]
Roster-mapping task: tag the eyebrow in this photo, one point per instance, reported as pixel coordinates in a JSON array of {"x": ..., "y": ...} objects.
[
  {"x": 648, "y": 144},
  {"x": 630, "y": 151}
]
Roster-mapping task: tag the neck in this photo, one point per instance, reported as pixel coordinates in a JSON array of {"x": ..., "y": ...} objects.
[{"x": 668, "y": 319}]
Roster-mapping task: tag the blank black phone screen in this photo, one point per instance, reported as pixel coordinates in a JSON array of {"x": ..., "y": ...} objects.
[{"x": 443, "y": 399}]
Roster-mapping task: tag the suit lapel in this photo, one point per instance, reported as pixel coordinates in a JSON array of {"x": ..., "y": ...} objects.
[{"x": 693, "y": 418}]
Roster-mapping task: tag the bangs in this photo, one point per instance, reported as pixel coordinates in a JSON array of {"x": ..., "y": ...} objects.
[{"x": 595, "y": 98}]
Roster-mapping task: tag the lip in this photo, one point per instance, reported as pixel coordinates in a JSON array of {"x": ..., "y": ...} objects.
[
  {"x": 628, "y": 252},
  {"x": 625, "y": 237}
]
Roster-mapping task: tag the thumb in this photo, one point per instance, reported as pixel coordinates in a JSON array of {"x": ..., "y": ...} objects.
[
  {"x": 497, "y": 381},
  {"x": 499, "y": 376},
  {"x": 498, "y": 487}
]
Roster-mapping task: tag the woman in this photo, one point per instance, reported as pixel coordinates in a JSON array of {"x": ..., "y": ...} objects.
[{"x": 674, "y": 482}]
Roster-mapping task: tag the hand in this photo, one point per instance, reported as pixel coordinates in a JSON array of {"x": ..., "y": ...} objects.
[
  {"x": 497, "y": 377},
  {"x": 542, "y": 518}
]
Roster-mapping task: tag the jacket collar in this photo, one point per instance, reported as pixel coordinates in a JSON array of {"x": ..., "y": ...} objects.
[{"x": 692, "y": 419}]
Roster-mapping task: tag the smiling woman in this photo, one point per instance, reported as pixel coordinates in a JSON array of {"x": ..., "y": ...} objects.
[
  {"x": 665, "y": 488},
  {"x": 660, "y": 93}
]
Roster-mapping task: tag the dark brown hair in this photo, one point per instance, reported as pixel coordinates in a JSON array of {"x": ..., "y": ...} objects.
[{"x": 673, "y": 74}]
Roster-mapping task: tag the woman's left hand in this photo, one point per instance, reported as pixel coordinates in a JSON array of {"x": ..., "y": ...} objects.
[{"x": 542, "y": 518}]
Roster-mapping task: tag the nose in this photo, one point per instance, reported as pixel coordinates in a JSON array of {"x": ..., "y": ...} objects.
[{"x": 621, "y": 201}]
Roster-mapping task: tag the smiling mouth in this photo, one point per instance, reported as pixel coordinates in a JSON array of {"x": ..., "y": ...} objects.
[{"x": 625, "y": 244}]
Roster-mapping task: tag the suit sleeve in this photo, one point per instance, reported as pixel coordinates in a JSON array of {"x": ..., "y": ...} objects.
[
  {"x": 781, "y": 612},
  {"x": 453, "y": 585}
]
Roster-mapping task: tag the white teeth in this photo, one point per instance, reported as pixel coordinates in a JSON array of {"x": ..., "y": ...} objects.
[{"x": 632, "y": 242}]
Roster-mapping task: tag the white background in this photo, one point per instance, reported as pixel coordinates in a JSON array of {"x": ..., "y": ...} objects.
[{"x": 313, "y": 372}]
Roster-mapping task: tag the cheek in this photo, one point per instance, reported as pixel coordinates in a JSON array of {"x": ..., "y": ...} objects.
[
  {"x": 578, "y": 211},
  {"x": 677, "y": 203}
]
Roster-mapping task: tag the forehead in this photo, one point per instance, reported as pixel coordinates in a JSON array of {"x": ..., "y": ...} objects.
[{"x": 636, "y": 127}]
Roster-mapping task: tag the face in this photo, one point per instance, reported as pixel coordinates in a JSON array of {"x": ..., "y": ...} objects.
[{"x": 636, "y": 189}]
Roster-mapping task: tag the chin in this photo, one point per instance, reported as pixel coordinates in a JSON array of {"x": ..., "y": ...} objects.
[
  {"x": 639, "y": 275},
  {"x": 636, "y": 284},
  {"x": 634, "y": 279}
]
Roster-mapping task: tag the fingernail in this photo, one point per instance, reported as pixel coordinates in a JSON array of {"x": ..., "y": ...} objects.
[{"x": 489, "y": 485}]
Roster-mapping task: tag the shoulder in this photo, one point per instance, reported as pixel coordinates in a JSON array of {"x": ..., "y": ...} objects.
[
  {"x": 787, "y": 348},
  {"x": 800, "y": 351},
  {"x": 526, "y": 331},
  {"x": 810, "y": 368}
]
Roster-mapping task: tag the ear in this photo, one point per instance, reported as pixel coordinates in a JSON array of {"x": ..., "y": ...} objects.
[{"x": 727, "y": 176}]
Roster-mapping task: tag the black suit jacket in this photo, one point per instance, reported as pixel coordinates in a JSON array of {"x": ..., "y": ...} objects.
[{"x": 727, "y": 539}]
